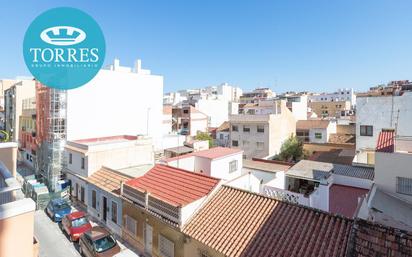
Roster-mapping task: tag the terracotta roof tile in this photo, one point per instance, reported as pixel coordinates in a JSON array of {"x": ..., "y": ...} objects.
[
  {"x": 239, "y": 223},
  {"x": 386, "y": 141},
  {"x": 343, "y": 200},
  {"x": 310, "y": 124},
  {"x": 175, "y": 186},
  {"x": 372, "y": 239},
  {"x": 108, "y": 179}
]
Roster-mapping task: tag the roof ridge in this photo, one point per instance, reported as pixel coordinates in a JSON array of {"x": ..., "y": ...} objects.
[{"x": 186, "y": 171}]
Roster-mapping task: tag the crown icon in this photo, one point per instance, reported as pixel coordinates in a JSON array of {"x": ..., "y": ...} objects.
[{"x": 63, "y": 35}]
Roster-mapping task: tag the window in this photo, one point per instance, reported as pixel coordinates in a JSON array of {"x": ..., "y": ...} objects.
[
  {"x": 246, "y": 129},
  {"x": 233, "y": 166},
  {"x": 185, "y": 125},
  {"x": 235, "y": 143},
  {"x": 318, "y": 135},
  {"x": 404, "y": 185},
  {"x": 221, "y": 136},
  {"x": 114, "y": 212},
  {"x": 166, "y": 247},
  {"x": 186, "y": 111},
  {"x": 70, "y": 158},
  {"x": 260, "y": 145},
  {"x": 245, "y": 143},
  {"x": 366, "y": 130},
  {"x": 82, "y": 164},
  {"x": 130, "y": 224},
  {"x": 235, "y": 128},
  {"x": 260, "y": 129},
  {"x": 94, "y": 199}
]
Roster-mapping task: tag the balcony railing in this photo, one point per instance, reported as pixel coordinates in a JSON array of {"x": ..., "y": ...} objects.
[{"x": 285, "y": 195}]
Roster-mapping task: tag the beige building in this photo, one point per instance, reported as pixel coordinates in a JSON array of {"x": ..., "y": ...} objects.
[
  {"x": 13, "y": 105},
  {"x": 188, "y": 120},
  {"x": 155, "y": 210},
  {"x": 261, "y": 135},
  {"x": 8, "y": 156},
  {"x": 330, "y": 109},
  {"x": 16, "y": 214}
]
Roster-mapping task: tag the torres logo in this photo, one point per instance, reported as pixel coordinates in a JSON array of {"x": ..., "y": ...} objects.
[{"x": 64, "y": 48}]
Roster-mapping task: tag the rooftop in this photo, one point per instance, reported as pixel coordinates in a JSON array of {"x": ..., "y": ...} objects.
[
  {"x": 107, "y": 179},
  {"x": 104, "y": 140},
  {"x": 311, "y": 124},
  {"x": 372, "y": 239},
  {"x": 224, "y": 127},
  {"x": 264, "y": 165},
  {"x": 343, "y": 200},
  {"x": 230, "y": 224},
  {"x": 212, "y": 153},
  {"x": 180, "y": 149},
  {"x": 175, "y": 186}
]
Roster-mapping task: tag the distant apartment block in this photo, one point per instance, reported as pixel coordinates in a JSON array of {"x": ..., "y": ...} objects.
[
  {"x": 297, "y": 104},
  {"x": 13, "y": 104},
  {"x": 262, "y": 135},
  {"x": 333, "y": 109},
  {"x": 342, "y": 95},
  {"x": 229, "y": 93},
  {"x": 256, "y": 95},
  {"x": 379, "y": 109},
  {"x": 187, "y": 120}
]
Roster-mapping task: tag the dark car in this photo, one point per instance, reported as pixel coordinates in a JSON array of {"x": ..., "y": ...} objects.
[
  {"x": 75, "y": 224},
  {"x": 98, "y": 242},
  {"x": 57, "y": 209}
]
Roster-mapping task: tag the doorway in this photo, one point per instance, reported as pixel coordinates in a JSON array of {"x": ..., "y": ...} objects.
[{"x": 104, "y": 208}]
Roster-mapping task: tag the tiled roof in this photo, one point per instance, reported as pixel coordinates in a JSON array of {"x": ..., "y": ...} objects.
[
  {"x": 224, "y": 127},
  {"x": 386, "y": 141},
  {"x": 354, "y": 171},
  {"x": 239, "y": 223},
  {"x": 107, "y": 179},
  {"x": 310, "y": 124},
  {"x": 343, "y": 200},
  {"x": 175, "y": 186},
  {"x": 372, "y": 239}
]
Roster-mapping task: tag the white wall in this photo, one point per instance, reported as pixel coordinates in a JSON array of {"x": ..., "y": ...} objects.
[
  {"x": 220, "y": 167},
  {"x": 322, "y": 131},
  {"x": 388, "y": 166},
  {"x": 248, "y": 182},
  {"x": 116, "y": 103},
  {"x": 352, "y": 181},
  {"x": 216, "y": 109},
  {"x": 186, "y": 163},
  {"x": 378, "y": 112}
]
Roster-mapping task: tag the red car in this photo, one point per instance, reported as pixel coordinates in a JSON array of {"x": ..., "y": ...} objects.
[{"x": 75, "y": 224}]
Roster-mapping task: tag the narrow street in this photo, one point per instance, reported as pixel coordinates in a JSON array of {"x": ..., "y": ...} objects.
[{"x": 53, "y": 243}]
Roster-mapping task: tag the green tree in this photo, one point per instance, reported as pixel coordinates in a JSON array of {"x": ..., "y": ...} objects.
[
  {"x": 204, "y": 136},
  {"x": 291, "y": 150}
]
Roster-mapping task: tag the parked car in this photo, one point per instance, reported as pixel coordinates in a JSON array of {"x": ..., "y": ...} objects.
[
  {"x": 98, "y": 242},
  {"x": 57, "y": 209},
  {"x": 75, "y": 224}
]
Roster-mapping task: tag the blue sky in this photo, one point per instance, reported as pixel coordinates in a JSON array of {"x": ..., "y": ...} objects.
[{"x": 285, "y": 45}]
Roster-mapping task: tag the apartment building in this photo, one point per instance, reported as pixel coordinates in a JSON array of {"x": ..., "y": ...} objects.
[
  {"x": 16, "y": 212},
  {"x": 4, "y": 85},
  {"x": 256, "y": 94},
  {"x": 333, "y": 109},
  {"x": 126, "y": 101},
  {"x": 262, "y": 135},
  {"x": 167, "y": 122},
  {"x": 187, "y": 120},
  {"x": 342, "y": 94},
  {"x": 223, "y": 135},
  {"x": 217, "y": 110},
  {"x": 297, "y": 104},
  {"x": 228, "y": 92},
  {"x": 13, "y": 104},
  {"x": 27, "y": 131},
  {"x": 378, "y": 109}
]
